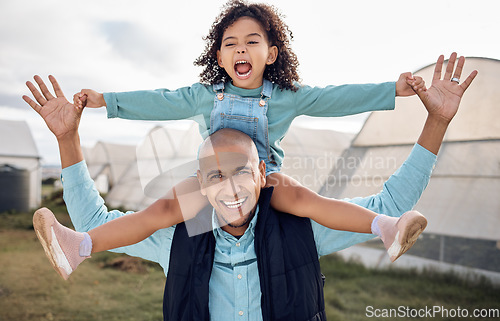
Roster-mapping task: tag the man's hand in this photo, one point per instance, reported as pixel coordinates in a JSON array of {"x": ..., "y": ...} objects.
[
  {"x": 443, "y": 97},
  {"x": 62, "y": 117},
  {"x": 442, "y": 100}
]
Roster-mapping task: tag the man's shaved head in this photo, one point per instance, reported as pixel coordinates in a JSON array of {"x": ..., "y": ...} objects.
[{"x": 227, "y": 137}]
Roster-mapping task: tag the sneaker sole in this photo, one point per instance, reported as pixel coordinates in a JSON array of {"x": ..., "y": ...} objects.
[
  {"x": 412, "y": 224},
  {"x": 43, "y": 220}
]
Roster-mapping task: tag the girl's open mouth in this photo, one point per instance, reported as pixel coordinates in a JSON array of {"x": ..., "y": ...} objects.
[{"x": 243, "y": 69}]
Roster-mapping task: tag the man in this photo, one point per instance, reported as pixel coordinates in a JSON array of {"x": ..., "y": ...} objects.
[{"x": 264, "y": 265}]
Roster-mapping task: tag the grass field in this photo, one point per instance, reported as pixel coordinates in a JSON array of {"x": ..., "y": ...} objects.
[{"x": 115, "y": 287}]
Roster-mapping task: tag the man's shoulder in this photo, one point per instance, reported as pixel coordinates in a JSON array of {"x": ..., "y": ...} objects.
[{"x": 285, "y": 218}]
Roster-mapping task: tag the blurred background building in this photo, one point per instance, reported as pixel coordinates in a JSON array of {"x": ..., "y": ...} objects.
[{"x": 20, "y": 171}]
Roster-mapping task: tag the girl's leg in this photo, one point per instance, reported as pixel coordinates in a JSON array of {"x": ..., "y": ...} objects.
[
  {"x": 290, "y": 196},
  {"x": 397, "y": 234},
  {"x": 180, "y": 204},
  {"x": 66, "y": 249}
]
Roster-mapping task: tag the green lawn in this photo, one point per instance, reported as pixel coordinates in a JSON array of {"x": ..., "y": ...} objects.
[{"x": 31, "y": 290}]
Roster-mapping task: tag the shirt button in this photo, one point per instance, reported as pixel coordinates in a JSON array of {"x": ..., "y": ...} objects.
[
  {"x": 238, "y": 244},
  {"x": 239, "y": 276},
  {"x": 240, "y": 313}
]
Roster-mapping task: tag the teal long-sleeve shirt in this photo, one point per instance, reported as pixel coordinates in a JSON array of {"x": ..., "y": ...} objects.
[
  {"x": 234, "y": 285},
  {"x": 196, "y": 102}
]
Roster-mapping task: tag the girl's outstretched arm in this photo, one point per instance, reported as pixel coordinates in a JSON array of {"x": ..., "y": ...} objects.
[
  {"x": 89, "y": 98},
  {"x": 290, "y": 196}
]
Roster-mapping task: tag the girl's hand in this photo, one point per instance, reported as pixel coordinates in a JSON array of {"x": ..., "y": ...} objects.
[
  {"x": 417, "y": 83},
  {"x": 407, "y": 84},
  {"x": 89, "y": 98}
]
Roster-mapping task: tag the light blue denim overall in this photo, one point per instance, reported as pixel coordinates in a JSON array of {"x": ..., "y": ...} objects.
[{"x": 248, "y": 115}]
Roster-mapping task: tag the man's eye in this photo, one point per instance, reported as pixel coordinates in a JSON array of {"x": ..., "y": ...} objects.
[{"x": 215, "y": 177}]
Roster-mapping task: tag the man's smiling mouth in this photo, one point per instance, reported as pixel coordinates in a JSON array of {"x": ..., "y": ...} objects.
[{"x": 234, "y": 204}]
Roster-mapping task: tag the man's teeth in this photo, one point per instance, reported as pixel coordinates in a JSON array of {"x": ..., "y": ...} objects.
[{"x": 234, "y": 204}]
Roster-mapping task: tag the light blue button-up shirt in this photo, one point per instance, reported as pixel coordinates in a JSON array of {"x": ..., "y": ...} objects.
[
  {"x": 235, "y": 268},
  {"x": 234, "y": 284}
]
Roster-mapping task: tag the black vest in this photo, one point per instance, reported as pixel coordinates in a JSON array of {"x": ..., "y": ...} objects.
[{"x": 290, "y": 278}]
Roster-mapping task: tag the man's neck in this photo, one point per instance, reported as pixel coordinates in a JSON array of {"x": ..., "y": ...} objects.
[{"x": 236, "y": 231}]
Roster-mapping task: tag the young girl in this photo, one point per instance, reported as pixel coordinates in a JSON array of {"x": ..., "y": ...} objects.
[{"x": 249, "y": 83}]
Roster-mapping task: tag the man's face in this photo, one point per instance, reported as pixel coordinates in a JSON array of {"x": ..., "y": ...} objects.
[{"x": 231, "y": 180}]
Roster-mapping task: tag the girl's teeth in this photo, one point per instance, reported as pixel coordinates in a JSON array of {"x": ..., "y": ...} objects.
[{"x": 245, "y": 74}]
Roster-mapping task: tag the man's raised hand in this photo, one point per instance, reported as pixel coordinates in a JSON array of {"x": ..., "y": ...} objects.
[
  {"x": 62, "y": 117},
  {"x": 443, "y": 97}
]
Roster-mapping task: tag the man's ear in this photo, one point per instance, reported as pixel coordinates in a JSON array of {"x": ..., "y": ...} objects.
[
  {"x": 272, "y": 56},
  {"x": 262, "y": 173},
  {"x": 200, "y": 180},
  {"x": 219, "y": 59}
]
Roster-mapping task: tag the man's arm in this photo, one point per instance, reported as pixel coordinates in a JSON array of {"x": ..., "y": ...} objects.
[
  {"x": 442, "y": 100},
  {"x": 399, "y": 194},
  {"x": 403, "y": 189},
  {"x": 62, "y": 118},
  {"x": 84, "y": 204},
  {"x": 88, "y": 211}
]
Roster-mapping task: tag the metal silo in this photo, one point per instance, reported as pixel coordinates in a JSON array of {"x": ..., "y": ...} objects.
[{"x": 14, "y": 188}]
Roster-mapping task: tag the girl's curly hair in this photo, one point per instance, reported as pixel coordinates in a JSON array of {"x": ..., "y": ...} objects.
[{"x": 284, "y": 70}]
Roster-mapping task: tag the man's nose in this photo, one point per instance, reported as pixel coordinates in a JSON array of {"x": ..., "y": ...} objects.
[{"x": 230, "y": 186}]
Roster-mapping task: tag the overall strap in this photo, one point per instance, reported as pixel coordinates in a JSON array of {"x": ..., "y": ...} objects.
[
  {"x": 267, "y": 88},
  {"x": 218, "y": 87}
]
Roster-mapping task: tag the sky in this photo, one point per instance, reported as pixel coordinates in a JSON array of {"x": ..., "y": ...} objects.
[{"x": 110, "y": 45}]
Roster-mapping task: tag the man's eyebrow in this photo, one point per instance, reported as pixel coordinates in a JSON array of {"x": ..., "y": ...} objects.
[
  {"x": 237, "y": 169},
  {"x": 214, "y": 172}
]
